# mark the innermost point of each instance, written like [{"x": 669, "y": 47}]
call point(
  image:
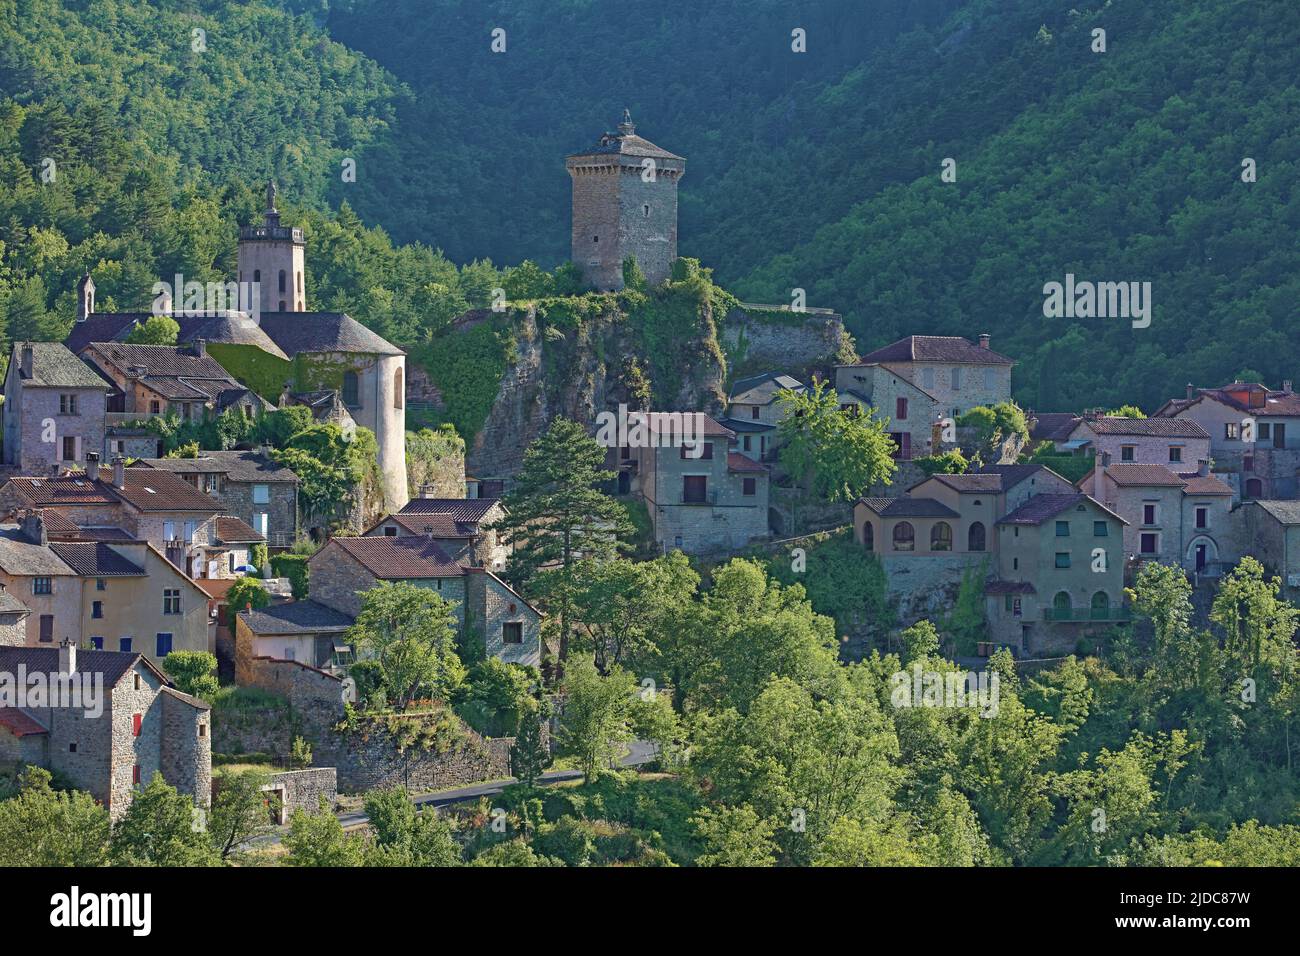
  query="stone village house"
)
[
  {"x": 53, "y": 409},
  {"x": 262, "y": 494},
  {"x": 754, "y": 414},
  {"x": 459, "y": 526},
  {"x": 147, "y": 727}
]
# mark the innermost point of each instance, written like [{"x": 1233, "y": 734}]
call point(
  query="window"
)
[
  {"x": 927, "y": 378},
  {"x": 1099, "y": 529},
  {"x": 97, "y": 609},
  {"x": 956, "y": 379},
  {"x": 1149, "y": 543},
  {"x": 261, "y": 494},
  {"x": 257, "y": 275},
  {"x": 1265, "y": 431},
  {"x": 47, "y": 628},
  {"x": 975, "y": 537},
  {"x": 1063, "y": 559},
  {"x": 282, "y": 283},
  {"x": 171, "y": 600},
  {"x": 136, "y": 721},
  {"x": 990, "y": 379},
  {"x": 1230, "y": 431},
  {"x": 169, "y": 530},
  {"x": 904, "y": 536},
  {"x": 69, "y": 448},
  {"x": 42, "y": 585},
  {"x": 1062, "y": 529},
  {"x": 390, "y": 532},
  {"x": 299, "y": 282},
  {"x": 97, "y": 643},
  {"x": 869, "y": 537},
  {"x": 155, "y": 407},
  {"x": 695, "y": 489},
  {"x": 399, "y": 391},
  {"x": 260, "y": 522},
  {"x": 138, "y": 681},
  {"x": 745, "y": 443},
  {"x": 1015, "y": 564},
  {"x": 190, "y": 528},
  {"x": 749, "y": 487},
  {"x": 900, "y": 409},
  {"x": 1202, "y": 516},
  {"x": 1061, "y": 603},
  {"x": 101, "y": 584},
  {"x": 754, "y": 412},
  {"x": 1175, "y": 453},
  {"x": 1127, "y": 452},
  {"x": 1100, "y": 606},
  {"x": 203, "y": 730},
  {"x": 512, "y": 632},
  {"x": 135, "y": 773},
  {"x": 1150, "y": 514},
  {"x": 67, "y": 404},
  {"x": 164, "y": 645},
  {"x": 351, "y": 390},
  {"x": 124, "y": 645},
  {"x": 72, "y": 747},
  {"x": 941, "y": 536}
]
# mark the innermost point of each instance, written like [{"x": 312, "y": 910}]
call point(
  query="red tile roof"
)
[
  {"x": 413, "y": 556},
  {"x": 18, "y": 723},
  {"x": 1133, "y": 474},
  {"x": 739, "y": 463},
  {"x": 147, "y": 489},
  {"x": 232, "y": 530},
  {"x": 1042, "y": 508},
  {"x": 1145, "y": 427}
]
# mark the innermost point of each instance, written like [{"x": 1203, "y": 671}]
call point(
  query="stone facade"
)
[
  {"x": 1175, "y": 452},
  {"x": 303, "y": 790},
  {"x": 910, "y": 413},
  {"x": 48, "y": 428}
]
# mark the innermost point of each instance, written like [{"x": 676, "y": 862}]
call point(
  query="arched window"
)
[
  {"x": 351, "y": 390},
  {"x": 299, "y": 283},
  {"x": 941, "y": 536},
  {"x": 281, "y": 280},
  {"x": 975, "y": 537},
  {"x": 1100, "y": 606},
  {"x": 399, "y": 392},
  {"x": 869, "y": 537},
  {"x": 1061, "y": 606},
  {"x": 1254, "y": 488},
  {"x": 904, "y": 536}
]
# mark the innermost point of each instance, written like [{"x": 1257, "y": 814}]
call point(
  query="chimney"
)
[
  {"x": 67, "y": 657},
  {"x": 85, "y": 297},
  {"x": 984, "y": 340},
  {"x": 119, "y": 471},
  {"x": 33, "y": 528},
  {"x": 200, "y": 347},
  {"x": 1191, "y": 391},
  {"x": 28, "y": 360},
  {"x": 1099, "y": 475},
  {"x": 428, "y": 491},
  {"x": 1203, "y": 467},
  {"x": 92, "y": 465}
]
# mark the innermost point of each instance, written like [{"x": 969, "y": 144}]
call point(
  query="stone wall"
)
[
  {"x": 759, "y": 340},
  {"x": 303, "y": 789},
  {"x": 372, "y": 758},
  {"x": 186, "y": 745}
]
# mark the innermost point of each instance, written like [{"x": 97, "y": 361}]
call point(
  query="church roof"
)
[
  {"x": 229, "y": 328},
  {"x": 296, "y": 332}
]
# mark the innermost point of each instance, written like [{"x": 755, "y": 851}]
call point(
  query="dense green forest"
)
[{"x": 818, "y": 170}]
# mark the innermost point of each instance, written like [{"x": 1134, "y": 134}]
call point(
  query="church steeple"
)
[{"x": 271, "y": 255}]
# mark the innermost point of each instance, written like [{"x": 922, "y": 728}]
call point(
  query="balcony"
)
[{"x": 1077, "y": 614}]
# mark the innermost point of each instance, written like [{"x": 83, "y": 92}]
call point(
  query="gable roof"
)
[
  {"x": 458, "y": 509},
  {"x": 232, "y": 530},
  {"x": 236, "y": 465},
  {"x": 19, "y": 556},
  {"x": 1148, "y": 476},
  {"x": 743, "y": 465},
  {"x": 1013, "y": 475},
  {"x": 114, "y": 665},
  {"x": 1042, "y": 508},
  {"x": 411, "y": 556},
  {"x": 94, "y": 559},
  {"x": 626, "y": 143},
  {"x": 20, "y": 724},
  {"x": 909, "y": 508},
  {"x": 935, "y": 348},
  {"x": 973, "y": 483},
  {"x": 762, "y": 389},
  {"x": 147, "y": 489},
  {"x": 296, "y": 332},
  {"x": 1143, "y": 427},
  {"x": 54, "y": 365},
  {"x": 295, "y": 617},
  {"x": 1195, "y": 484},
  {"x": 1052, "y": 426},
  {"x": 1285, "y": 512}
]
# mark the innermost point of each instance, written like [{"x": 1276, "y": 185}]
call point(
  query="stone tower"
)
[
  {"x": 272, "y": 256},
  {"x": 624, "y": 204}
]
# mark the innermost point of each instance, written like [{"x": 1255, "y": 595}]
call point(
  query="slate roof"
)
[
  {"x": 433, "y": 524},
  {"x": 171, "y": 371},
  {"x": 295, "y": 617},
  {"x": 744, "y": 425},
  {"x": 229, "y": 328},
  {"x": 94, "y": 559},
  {"x": 626, "y": 144},
  {"x": 54, "y": 365},
  {"x": 11, "y": 605},
  {"x": 975, "y": 483},
  {"x": 1052, "y": 426},
  {"x": 909, "y": 508},
  {"x": 935, "y": 348},
  {"x": 1286, "y": 512},
  {"x": 1042, "y": 508},
  {"x": 1009, "y": 587},
  {"x": 114, "y": 665},
  {"x": 1204, "y": 485},
  {"x": 22, "y": 557},
  {"x": 742, "y": 465},
  {"x": 232, "y": 530},
  {"x": 296, "y": 332},
  {"x": 1145, "y": 427},
  {"x": 763, "y": 389},
  {"x": 101, "y": 533},
  {"x": 102, "y": 327},
  {"x": 413, "y": 556},
  {"x": 470, "y": 510},
  {"x": 236, "y": 465},
  {"x": 709, "y": 427}
]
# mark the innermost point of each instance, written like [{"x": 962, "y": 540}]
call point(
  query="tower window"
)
[
  {"x": 595, "y": 238},
  {"x": 645, "y": 210},
  {"x": 281, "y": 305},
  {"x": 257, "y": 275},
  {"x": 351, "y": 390},
  {"x": 300, "y": 282},
  {"x": 281, "y": 280},
  {"x": 398, "y": 392}
]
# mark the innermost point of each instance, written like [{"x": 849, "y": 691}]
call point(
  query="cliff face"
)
[{"x": 667, "y": 349}]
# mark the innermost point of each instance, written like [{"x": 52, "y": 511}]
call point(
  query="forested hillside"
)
[{"x": 817, "y": 170}]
